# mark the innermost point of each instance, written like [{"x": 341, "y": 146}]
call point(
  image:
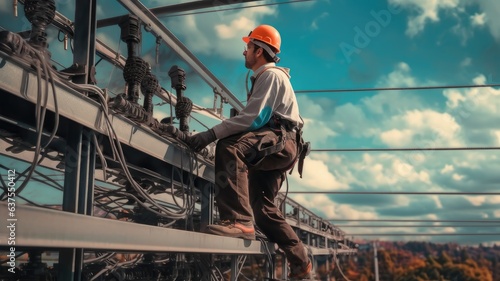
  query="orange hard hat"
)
[{"x": 266, "y": 34}]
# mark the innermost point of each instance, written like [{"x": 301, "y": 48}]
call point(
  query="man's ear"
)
[{"x": 260, "y": 52}]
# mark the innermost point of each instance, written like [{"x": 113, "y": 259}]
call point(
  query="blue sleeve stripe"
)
[{"x": 262, "y": 119}]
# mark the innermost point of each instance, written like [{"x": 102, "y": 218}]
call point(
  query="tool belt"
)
[{"x": 286, "y": 129}]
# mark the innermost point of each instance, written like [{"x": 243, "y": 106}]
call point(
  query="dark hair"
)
[{"x": 267, "y": 56}]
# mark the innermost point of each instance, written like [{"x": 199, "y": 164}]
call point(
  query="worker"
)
[{"x": 254, "y": 151}]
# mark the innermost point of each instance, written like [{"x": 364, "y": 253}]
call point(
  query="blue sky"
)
[{"x": 341, "y": 44}]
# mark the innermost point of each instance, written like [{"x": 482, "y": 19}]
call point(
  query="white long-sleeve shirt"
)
[{"x": 272, "y": 94}]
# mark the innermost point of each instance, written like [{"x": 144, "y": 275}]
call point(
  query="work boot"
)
[
  {"x": 235, "y": 229},
  {"x": 301, "y": 271}
]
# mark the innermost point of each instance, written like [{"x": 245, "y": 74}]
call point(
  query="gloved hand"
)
[{"x": 199, "y": 141}]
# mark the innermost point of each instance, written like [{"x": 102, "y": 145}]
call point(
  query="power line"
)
[
  {"x": 394, "y": 88},
  {"x": 394, "y": 192},
  {"x": 415, "y": 225},
  {"x": 421, "y": 234},
  {"x": 403, "y": 149},
  {"x": 402, "y": 220}
]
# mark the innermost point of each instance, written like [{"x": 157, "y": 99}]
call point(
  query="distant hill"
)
[{"x": 422, "y": 261}]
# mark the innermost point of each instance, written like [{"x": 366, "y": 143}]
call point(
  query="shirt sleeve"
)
[{"x": 258, "y": 110}]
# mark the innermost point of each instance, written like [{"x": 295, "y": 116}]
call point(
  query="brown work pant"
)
[{"x": 246, "y": 185}]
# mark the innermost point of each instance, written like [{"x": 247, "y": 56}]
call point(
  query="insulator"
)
[
  {"x": 13, "y": 42},
  {"x": 40, "y": 13},
  {"x": 131, "y": 29},
  {"x": 133, "y": 73},
  {"x": 131, "y": 34},
  {"x": 131, "y": 110},
  {"x": 169, "y": 130},
  {"x": 178, "y": 77},
  {"x": 182, "y": 111},
  {"x": 183, "y": 107},
  {"x": 149, "y": 87}
]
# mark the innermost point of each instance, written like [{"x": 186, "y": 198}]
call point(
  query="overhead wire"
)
[
  {"x": 414, "y": 220},
  {"x": 414, "y": 225},
  {"x": 395, "y": 88},
  {"x": 393, "y": 192},
  {"x": 425, "y": 234},
  {"x": 403, "y": 149},
  {"x": 232, "y": 9}
]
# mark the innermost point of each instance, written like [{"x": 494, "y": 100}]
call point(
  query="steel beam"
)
[
  {"x": 45, "y": 228},
  {"x": 78, "y": 193},
  {"x": 176, "y": 8}
]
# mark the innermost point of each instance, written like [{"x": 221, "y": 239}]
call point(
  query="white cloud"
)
[
  {"x": 397, "y": 138},
  {"x": 475, "y": 108},
  {"x": 400, "y": 77},
  {"x": 317, "y": 176},
  {"x": 317, "y": 132},
  {"x": 496, "y": 213},
  {"x": 237, "y": 27},
  {"x": 494, "y": 199},
  {"x": 379, "y": 171},
  {"x": 218, "y": 33},
  {"x": 476, "y": 200},
  {"x": 491, "y": 10},
  {"x": 437, "y": 200},
  {"x": 478, "y": 19},
  {"x": 447, "y": 169},
  {"x": 329, "y": 209},
  {"x": 426, "y": 11},
  {"x": 496, "y": 133},
  {"x": 421, "y": 128}
]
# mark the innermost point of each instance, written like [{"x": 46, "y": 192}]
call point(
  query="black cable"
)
[
  {"x": 413, "y": 220},
  {"x": 394, "y": 88},
  {"x": 19, "y": 175},
  {"x": 394, "y": 192},
  {"x": 402, "y": 149},
  {"x": 415, "y": 225},
  {"x": 424, "y": 234}
]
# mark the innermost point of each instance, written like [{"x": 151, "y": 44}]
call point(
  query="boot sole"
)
[{"x": 248, "y": 236}]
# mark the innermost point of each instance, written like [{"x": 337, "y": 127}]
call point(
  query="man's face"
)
[{"x": 250, "y": 55}]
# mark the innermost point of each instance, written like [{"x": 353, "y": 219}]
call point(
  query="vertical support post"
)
[
  {"x": 207, "y": 205},
  {"x": 206, "y": 218},
  {"x": 234, "y": 267},
  {"x": 80, "y": 151},
  {"x": 375, "y": 260}
]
